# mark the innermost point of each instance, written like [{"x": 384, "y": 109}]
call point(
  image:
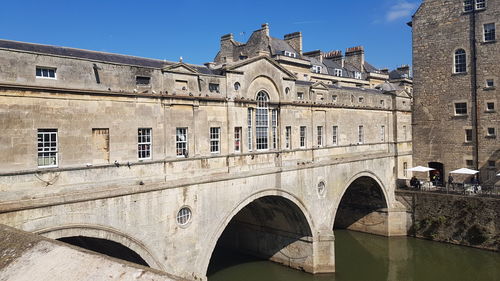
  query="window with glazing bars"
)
[
  {"x": 288, "y": 137},
  {"x": 302, "y": 140},
  {"x": 144, "y": 143},
  {"x": 181, "y": 142},
  {"x": 215, "y": 140},
  {"x": 47, "y": 148},
  {"x": 319, "y": 136},
  {"x": 237, "y": 139},
  {"x": 489, "y": 32},
  {"x": 262, "y": 121},
  {"x": 468, "y": 5},
  {"x": 335, "y": 132},
  {"x": 274, "y": 127},
  {"x": 480, "y": 4},
  {"x": 249, "y": 129},
  {"x": 45, "y": 72},
  {"x": 460, "y": 61},
  {"x": 361, "y": 134}
]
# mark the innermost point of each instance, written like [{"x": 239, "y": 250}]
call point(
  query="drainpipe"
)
[{"x": 472, "y": 38}]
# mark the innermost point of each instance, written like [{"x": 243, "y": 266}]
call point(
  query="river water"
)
[{"x": 366, "y": 257}]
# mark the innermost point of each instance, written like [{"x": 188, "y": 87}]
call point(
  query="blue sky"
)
[{"x": 192, "y": 28}]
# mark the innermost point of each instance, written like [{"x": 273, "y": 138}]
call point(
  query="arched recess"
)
[
  {"x": 264, "y": 83},
  {"x": 102, "y": 233},
  {"x": 271, "y": 224},
  {"x": 363, "y": 206}
]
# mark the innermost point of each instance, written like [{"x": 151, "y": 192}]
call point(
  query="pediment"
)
[
  {"x": 180, "y": 68},
  {"x": 319, "y": 86},
  {"x": 238, "y": 66}
]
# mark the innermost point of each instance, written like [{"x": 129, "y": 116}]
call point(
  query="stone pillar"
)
[
  {"x": 324, "y": 252},
  {"x": 398, "y": 221}
]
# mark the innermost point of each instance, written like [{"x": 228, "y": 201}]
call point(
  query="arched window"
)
[
  {"x": 460, "y": 61},
  {"x": 262, "y": 121}
]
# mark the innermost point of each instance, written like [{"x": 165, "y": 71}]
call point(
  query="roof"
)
[
  {"x": 398, "y": 74},
  {"x": 278, "y": 46}
]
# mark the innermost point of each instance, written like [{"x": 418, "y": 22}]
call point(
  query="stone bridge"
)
[{"x": 269, "y": 205}]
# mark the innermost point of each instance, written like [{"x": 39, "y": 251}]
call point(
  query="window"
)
[
  {"x": 338, "y": 72},
  {"x": 361, "y": 134},
  {"x": 382, "y": 102},
  {"x": 100, "y": 139},
  {"x": 249, "y": 129},
  {"x": 316, "y": 68},
  {"x": 490, "y": 106},
  {"x": 290, "y": 54},
  {"x": 334, "y": 97},
  {"x": 213, "y": 88},
  {"x": 469, "y": 163},
  {"x": 302, "y": 140},
  {"x": 300, "y": 95},
  {"x": 490, "y": 132},
  {"x": 460, "y": 61},
  {"x": 460, "y": 108},
  {"x": 405, "y": 168},
  {"x": 288, "y": 137},
  {"x": 262, "y": 121},
  {"x": 237, "y": 139},
  {"x": 181, "y": 142},
  {"x": 321, "y": 188},
  {"x": 405, "y": 133},
  {"x": 357, "y": 75},
  {"x": 480, "y": 4},
  {"x": 468, "y": 135},
  {"x": 361, "y": 99},
  {"x": 489, "y": 32},
  {"x": 287, "y": 90},
  {"x": 468, "y": 5},
  {"x": 142, "y": 80},
  {"x": 491, "y": 164},
  {"x": 335, "y": 133},
  {"x": 183, "y": 216},
  {"x": 320, "y": 136},
  {"x": 274, "y": 127},
  {"x": 237, "y": 86},
  {"x": 490, "y": 83},
  {"x": 215, "y": 140},
  {"x": 45, "y": 72},
  {"x": 382, "y": 133},
  {"x": 144, "y": 143},
  {"x": 47, "y": 148}
]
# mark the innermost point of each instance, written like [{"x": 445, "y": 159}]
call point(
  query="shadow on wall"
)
[{"x": 270, "y": 228}]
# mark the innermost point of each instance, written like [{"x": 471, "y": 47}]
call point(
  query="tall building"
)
[{"x": 456, "y": 71}]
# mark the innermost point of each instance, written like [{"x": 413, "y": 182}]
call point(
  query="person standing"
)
[{"x": 450, "y": 182}]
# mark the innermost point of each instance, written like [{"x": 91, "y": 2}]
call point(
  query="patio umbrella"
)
[
  {"x": 464, "y": 171},
  {"x": 420, "y": 169}
]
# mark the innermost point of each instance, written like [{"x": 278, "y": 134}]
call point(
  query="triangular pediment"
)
[
  {"x": 180, "y": 68},
  {"x": 237, "y": 66},
  {"x": 319, "y": 86}
]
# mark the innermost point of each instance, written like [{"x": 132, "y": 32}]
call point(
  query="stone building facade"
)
[{"x": 455, "y": 60}]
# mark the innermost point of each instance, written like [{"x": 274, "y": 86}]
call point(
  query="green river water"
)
[{"x": 365, "y": 257}]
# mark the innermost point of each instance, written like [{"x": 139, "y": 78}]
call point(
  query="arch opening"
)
[
  {"x": 106, "y": 247},
  {"x": 363, "y": 207},
  {"x": 269, "y": 228}
]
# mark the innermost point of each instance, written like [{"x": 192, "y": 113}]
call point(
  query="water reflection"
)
[{"x": 368, "y": 257}]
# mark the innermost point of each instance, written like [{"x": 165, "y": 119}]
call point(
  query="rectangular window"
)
[
  {"x": 361, "y": 99},
  {"x": 468, "y": 5},
  {"x": 144, "y": 138},
  {"x": 237, "y": 139},
  {"x": 288, "y": 137},
  {"x": 302, "y": 140},
  {"x": 142, "y": 80},
  {"x": 490, "y": 106},
  {"x": 300, "y": 95},
  {"x": 489, "y": 32},
  {"x": 469, "y": 163},
  {"x": 320, "y": 136},
  {"x": 361, "y": 134},
  {"x": 357, "y": 75},
  {"x": 335, "y": 133},
  {"x": 338, "y": 72},
  {"x": 405, "y": 168},
  {"x": 382, "y": 133},
  {"x": 290, "y": 54},
  {"x": 215, "y": 140},
  {"x": 249, "y": 129},
  {"x": 100, "y": 139},
  {"x": 490, "y": 83},
  {"x": 480, "y": 4},
  {"x": 334, "y": 97},
  {"x": 45, "y": 72},
  {"x": 181, "y": 142},
  {"x": 460, "y": 108},
  {"x": 405, "y": 133},
  {"x": 213, "y": 88},
  {"x": 382, "y": 102},
  {"x": 316, "y": 68},
  {"x": 274, "y": 127},
  {"x": 47, "y": 148},
  {"x": 468, "y": 135},
  {"x": 491, "y": 132}
]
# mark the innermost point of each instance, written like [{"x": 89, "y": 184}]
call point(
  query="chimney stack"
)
[
  {"x": 315, "y": 54},
  {"x": 295, "y": 41},
  {"x": 355, "y": 56},
  {"x": 265, "y": 28},
  {"x": 405, "y": 69},
  {"x": 226, "y": 47},
  {"x": 335, "y": 56}
]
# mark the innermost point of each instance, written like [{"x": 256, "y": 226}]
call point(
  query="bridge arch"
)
[
  {"x": 287, "y": 202},
  {"x": 98, "y": 232},
  {"x": 362, "y": 205}
]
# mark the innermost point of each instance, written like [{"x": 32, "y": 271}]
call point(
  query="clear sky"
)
[{"x": 192, "y": 28}]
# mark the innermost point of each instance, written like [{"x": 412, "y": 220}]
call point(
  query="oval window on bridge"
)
[
  {"x": 184, "y": 216},
  {"x": 321, "y": 188}
]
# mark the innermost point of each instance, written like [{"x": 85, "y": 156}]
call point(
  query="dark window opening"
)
[
  {"x": 142, "y": 80},
  {"x": 212, "y": 87},
  {"x": 460, "y": 108}
]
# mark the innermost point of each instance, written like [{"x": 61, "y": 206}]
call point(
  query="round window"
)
[
  {"x": 184, "y": 216},
  {"x": 237, "y": 86},
  {"x": 321, "y": 188}
]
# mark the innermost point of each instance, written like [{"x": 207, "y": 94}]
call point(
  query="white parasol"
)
[{"x": 464, "y": 171}]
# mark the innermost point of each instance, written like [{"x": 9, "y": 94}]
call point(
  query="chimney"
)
[
  {"x": 226, "y": 47},
  {"x": 355, "y": 56},
  {"x": 315, "y": 54},
  {"x": 384, "y": 71},
  {"x": 295, "y": 41},
  {"x": 335, "y": 56},
  {"x": 265, "y": 28},
  {"x": 405, "y": 69}
]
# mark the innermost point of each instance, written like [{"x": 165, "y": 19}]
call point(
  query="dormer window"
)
[
  {"x": 338, "y": 72},
  {"x": 290, "y": 54},
  {"x": 45, "y": 72},
  {"x": 357, "y": 75},
  {"x": 316, "y": 68},
  {"x": 142, "y": 80},
  {"x": 213, "y": 87}
]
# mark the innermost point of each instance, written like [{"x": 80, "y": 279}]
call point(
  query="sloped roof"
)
[{"x": 278, "y": 46}]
